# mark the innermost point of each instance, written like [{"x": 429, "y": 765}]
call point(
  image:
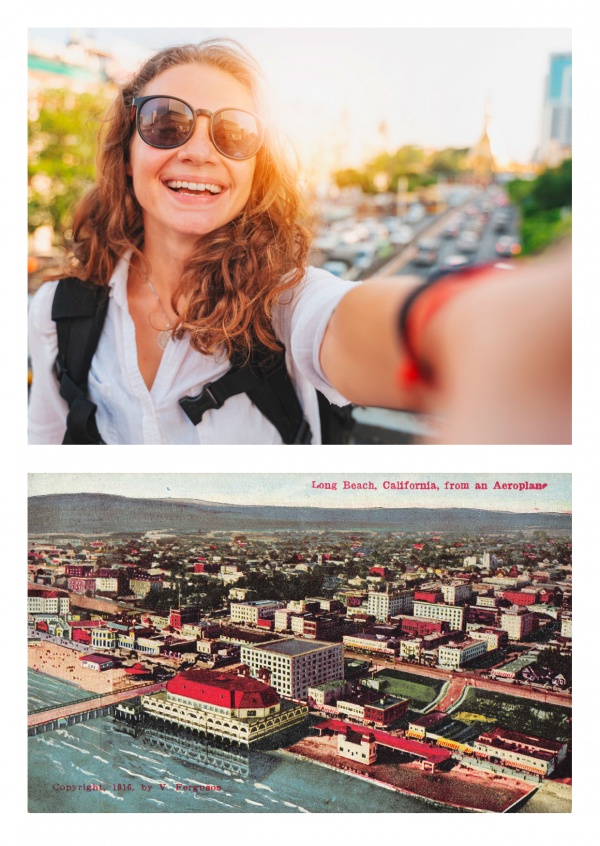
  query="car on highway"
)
[
  {"x": 502, "y": 220},
  {"x": 455, "y": 260},
  {"x": 468, "y": 242},
  {"x": 415, "y": 213},
  {"x": 365, "y": 257},
  {"x": 507, "y": 246},
  {"x": 451, "y": 228},
  {"x": 400, "y": 233},
  {"x": 474, "y": 224},
  {"x": 427, "y": 252}
]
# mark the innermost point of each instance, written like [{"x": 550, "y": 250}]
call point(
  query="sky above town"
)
[
  {"x": 342, "y": 94},
  {"x": 317, "y": 489}
]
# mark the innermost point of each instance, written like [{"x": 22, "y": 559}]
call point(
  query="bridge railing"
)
[{"x": 62, "y": 704}]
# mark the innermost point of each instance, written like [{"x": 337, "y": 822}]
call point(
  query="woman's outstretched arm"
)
[{"x": 499, "y": 353}]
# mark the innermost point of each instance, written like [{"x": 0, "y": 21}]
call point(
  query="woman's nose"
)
[{"x": 199, "y": 145}]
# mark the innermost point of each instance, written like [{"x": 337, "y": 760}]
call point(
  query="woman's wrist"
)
[{"x": 426, "y": 327}]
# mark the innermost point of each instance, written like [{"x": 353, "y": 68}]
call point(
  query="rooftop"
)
[{"x": 293, "y": 646}]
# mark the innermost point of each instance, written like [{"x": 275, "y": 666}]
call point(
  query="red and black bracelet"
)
[{"x": 418, "y": 309}]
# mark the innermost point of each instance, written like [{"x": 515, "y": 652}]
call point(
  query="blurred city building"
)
[
  {"x": 480, "y": 160},
  {"x": 556, "y": 135},
  {"x": 78, "y": 66}
]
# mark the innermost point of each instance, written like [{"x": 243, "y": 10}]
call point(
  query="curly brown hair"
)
[{"x": 237, "y": 272}]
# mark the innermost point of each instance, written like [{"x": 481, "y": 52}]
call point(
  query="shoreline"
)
[
  {"x": 493, "y": 798},
  {"x": 378, "y": 783},
  {"x": 62, "y": 663}
]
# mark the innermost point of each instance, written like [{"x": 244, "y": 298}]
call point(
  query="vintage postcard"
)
[{"x": 288, "y": 643}]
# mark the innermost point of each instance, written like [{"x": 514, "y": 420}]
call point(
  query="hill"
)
[{"x": 93, "y": 513}]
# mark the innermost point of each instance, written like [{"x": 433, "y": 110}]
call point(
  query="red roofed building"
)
[
  {"x": 521, "y": 751},
  {"x": 521, "y": 597},
  {"x": 433, "y": 595},
  {"x": 226, "y": 691},
  {"x": 47, "y": 602},
  {"x": 97, "y": 662},
  {"x": 224, "y": 705}
]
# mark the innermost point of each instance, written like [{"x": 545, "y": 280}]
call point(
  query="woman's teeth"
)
[{"x": 176, "y": 185}]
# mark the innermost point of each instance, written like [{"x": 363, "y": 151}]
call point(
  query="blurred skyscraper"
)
[{"x": 556, "y": 141}]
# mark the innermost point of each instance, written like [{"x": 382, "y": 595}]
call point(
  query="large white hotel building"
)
[{"x": 295, "y": 665}]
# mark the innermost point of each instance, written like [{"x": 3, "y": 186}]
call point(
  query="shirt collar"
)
[{"x": 118, "y": 281}]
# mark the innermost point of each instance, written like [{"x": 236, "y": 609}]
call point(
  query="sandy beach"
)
[
  {"x": 63, "y": 663},
  {"x": 553, "y": 797},
  {"x": 461, "y": 787}
]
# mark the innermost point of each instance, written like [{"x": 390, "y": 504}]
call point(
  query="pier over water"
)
[{"x": 77, "y": 712}]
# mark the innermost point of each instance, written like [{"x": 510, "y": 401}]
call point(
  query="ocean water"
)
[{"x": 158, "y": 772}]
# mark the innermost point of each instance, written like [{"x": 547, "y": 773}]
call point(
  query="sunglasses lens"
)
[
  {"x": 236, "y": 134},
  {"x": 165, "y": 122}
]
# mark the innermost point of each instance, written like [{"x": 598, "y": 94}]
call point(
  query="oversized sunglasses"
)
[{"x": 168, "y": 122}]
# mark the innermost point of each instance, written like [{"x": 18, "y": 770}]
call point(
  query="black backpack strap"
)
[
  {"x": 268, "y": 386},
  {"x": 79, "y": 309},
  {"x": 337, "y": 422}
]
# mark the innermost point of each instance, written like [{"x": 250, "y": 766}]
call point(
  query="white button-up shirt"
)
[{"x": 129, "y": 413}]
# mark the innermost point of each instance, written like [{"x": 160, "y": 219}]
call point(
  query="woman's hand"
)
[{"x": 499, "y": 352}]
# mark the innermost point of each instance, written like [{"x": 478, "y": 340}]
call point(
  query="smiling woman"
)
[
  {"x": 187, "y": 313},
  {"x": 196, "y": 228}
]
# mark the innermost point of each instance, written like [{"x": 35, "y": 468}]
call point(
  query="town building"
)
[
  {"x": 97, "y": 662},
  {"x": 422, "y": 626},
  {"x": 322, "y": 627},
  {"x": 494, "y": 638},
  {"x": 527, "y": 596},
  {"x": 294, "y": 665},
  {"x": 358, "y": 746},
  {"x": 81, "y": 584},
  {"x": 513, "y": 669},
  {"x": 385, "y": 711},
  {"x": 142, "y": 585},
  {"x": 454, "y": 614},
  {"x": 457, "y": 593},
  {"x": 452, "y": 656},
  {"x": 47, "y": 602},
  {"x": 517, "y": 622},
  {"x": 108, "y": 584},
  {"x": 223, "y": 705},
  {"x": 104, "y": 638},
  {"x": 566, "y": 626},
  {"x": 531, "y": 754},
  {"x": 418, "y": 727},
  {"x": 327, "y": 694},
  {"x": 556, "y": 135},
  {"x": 372, "y": 644},
  {"x": 248, "y": 613},
  {"x": 180, "y": 617},
  {"x": 439, "y": 728},
  {"x": 478, "y": 616},
  {"x": 282, "y": 620},
  {"x": 79, "y": 570},
  {"x": 487, "y": 601},
  {"x": 382, "y": 606},
  {"x": 428, "y": 595}
]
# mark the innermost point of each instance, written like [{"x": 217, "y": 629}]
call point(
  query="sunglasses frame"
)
[{"x": 138, "y": 102}]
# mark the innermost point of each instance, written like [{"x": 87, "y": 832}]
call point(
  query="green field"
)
[
  {"x": 419, "y": 689},
  {"x": 512, "y": 712}
]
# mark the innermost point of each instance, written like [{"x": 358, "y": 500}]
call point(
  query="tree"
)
[
  {"x": 544, "y": 204},
  {"x": 61, "y": 143}
]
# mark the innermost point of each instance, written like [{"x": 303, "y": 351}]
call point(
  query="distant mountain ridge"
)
[{"x": 90, "y": 513}]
